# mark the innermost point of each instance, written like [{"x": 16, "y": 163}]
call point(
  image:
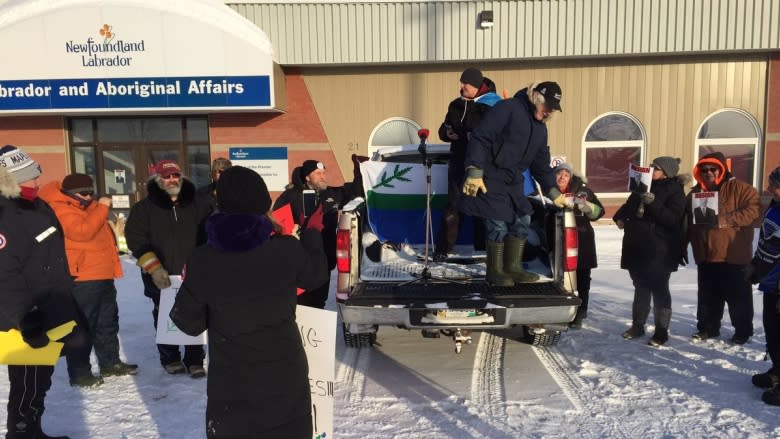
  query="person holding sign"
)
[
  {"x": 241, "y": 286},
  {"x": 315, "y": 204},
  {"x": 587, "y": 208},
  {"x": 723, "y": 249},
  {"x": 652, "y": 224},
  {"x": 35, "y": 287},
  {"x": 161, "y": 231}
]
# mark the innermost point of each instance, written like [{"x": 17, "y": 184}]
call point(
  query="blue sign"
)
[
  {"x": 120, "y": 93},
  {"x": 268, "y": 161}
]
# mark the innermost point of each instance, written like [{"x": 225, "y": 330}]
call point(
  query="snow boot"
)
[
  {"x": 660, "y": 337},
  {"x": 513, "y": 260},
  {"x": 766, "y": 380},
  {"x": 87, "y": 380},
  {"x": 582, "y": 313},
  {"x": 772, "y": 396},
  {"x": 27, "y": 427},
  {"x": 495, "y": 274},
  {"x": 119, "y": 369},
  {"x": 663, "y": 317},
  {"x": 634, "y": 332}
]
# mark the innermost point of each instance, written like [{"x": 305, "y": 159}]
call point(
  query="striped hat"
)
[{"x": 19, "y": 164}]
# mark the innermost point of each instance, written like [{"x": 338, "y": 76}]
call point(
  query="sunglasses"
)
[
  {"x": 707, "y": 169},
  {"x": 87, "y": 193},
  {"x": 170, "y": 176}
]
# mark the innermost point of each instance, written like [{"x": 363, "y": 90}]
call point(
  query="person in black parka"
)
[
  {"x": 330, "y": 199},
  {"x": 653, "y": 228},
  {"x": 35, "y": 288},
  {"x": 464, "y": 113},
  {"x": 587, "y": 208},
  {"x": 241, "y": 286},
  {"x": 511, "y": 138},
  {"x": 161, "y": 232}
]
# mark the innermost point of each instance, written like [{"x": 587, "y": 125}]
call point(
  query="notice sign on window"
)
[{"x": 268, "y": 161}]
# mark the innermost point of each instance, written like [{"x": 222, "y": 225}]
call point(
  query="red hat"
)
[{"x": 165, "y": 168}]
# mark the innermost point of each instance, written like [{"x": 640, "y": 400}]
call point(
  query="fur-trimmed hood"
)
[
  {"x": 162, "y": 199},
  {"x": 9, "y": 188}
]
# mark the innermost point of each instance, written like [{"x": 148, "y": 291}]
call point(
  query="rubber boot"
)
[
  {"x": 495, "y": 274},
  {"x": 513, "y": 260}
]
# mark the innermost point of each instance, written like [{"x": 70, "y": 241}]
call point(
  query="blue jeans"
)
[{"x": 497, "y": 230}]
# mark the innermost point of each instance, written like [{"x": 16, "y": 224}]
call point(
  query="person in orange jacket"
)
[{"x": 93, "y": 262}]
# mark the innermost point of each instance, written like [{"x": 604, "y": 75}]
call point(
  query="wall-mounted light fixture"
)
[{"x": 486, "y": 19}]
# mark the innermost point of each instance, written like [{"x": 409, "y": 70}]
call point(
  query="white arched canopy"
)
[
  {"x": 394, "y": 131},
  {"x": 93, "y": 56}
]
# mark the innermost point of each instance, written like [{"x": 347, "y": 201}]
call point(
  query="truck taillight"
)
[
  {"x": 570, "y": 248},
  {"x": 342, "y": 251}
]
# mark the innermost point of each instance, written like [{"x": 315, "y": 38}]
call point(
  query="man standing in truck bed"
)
[{"x": 511, "y": 138}]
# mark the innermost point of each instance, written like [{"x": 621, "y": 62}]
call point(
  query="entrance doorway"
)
[{"x": 120, "y": 153}]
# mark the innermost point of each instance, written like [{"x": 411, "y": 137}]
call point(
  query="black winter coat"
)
[
  {"x": 331, "y": 199},
  {"x": 463, "y": 115},
  {"x": 170, "y": 230},
  {"x": 652, "y": 243},
  {"x": 508, "y": 141},
  {"x": 243, "y": 290},
  {"x": 33, "y": 265}
]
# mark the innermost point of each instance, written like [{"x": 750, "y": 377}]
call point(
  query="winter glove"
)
[
  {"x": 751, "y": 274},
  {"x": 32, "y": 330},
  {"x": 558, "y": 199},
  {"x": 152, "y": 266},
  {"x": 161, "y": 279},
  {"x": 315, "y": 220},
  {"x": 474, "y": 182},
  {"x": 647, "y": 197}
]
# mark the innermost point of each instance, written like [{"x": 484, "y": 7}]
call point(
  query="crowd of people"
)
[{"x": 58, "y": 257}]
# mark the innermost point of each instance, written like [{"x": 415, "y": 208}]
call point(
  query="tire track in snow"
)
[
  {"x": 563, "y": 372},
  {"x": 487, "y": 378},
  {"x": 350, "y": 373}
]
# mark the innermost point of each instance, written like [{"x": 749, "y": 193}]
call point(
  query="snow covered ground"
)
[{"x": 600, "y": 385}]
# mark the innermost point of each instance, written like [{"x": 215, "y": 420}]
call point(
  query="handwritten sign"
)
[
  {"x": 167, "y": 332},
  {"x": 318, "y": 334}
]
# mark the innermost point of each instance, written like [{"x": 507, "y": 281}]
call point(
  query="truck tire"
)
[
  {"x": 364, "y": 340},
  {"x": 547, "y": 338}
]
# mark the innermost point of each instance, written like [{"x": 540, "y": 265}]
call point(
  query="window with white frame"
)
[
  {"x": 394, "y": 131},
  {"x": 612, "y": 142},
  {"x": 735, "y": 133}
]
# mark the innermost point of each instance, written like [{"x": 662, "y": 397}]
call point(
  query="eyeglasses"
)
[
  {"x": 87, "y": 193},
  {"x": 170, "y": 176},
  {"x": 707, "y": 169}
]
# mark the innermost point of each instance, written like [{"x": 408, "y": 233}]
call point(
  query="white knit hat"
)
[{"x": 19, "y": 164}]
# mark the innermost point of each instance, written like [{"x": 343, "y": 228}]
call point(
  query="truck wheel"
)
[
  {"x": 547, "y": 338},
  {"x": 351, "y": 340}
]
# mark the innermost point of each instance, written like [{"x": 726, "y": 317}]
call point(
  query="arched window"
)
[
  {"x": 612, "y": 141},
  {"x": 735, "y": 133},
  {"x": 393, "y": 132}
]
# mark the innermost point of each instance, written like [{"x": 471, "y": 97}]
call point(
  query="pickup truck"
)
[{"x": 387, "y": 277}]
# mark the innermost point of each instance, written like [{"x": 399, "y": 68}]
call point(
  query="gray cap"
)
[
  {"x": 670, "y": 165},
  {"x": 19, "y": 164},
  {"x": 564, "y": 167}
]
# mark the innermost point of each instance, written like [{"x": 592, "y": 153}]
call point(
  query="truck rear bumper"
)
[{"x": 426, "y": 317}]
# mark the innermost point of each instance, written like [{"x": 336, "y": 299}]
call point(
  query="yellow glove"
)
[{"x": 474, "y": 182}]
